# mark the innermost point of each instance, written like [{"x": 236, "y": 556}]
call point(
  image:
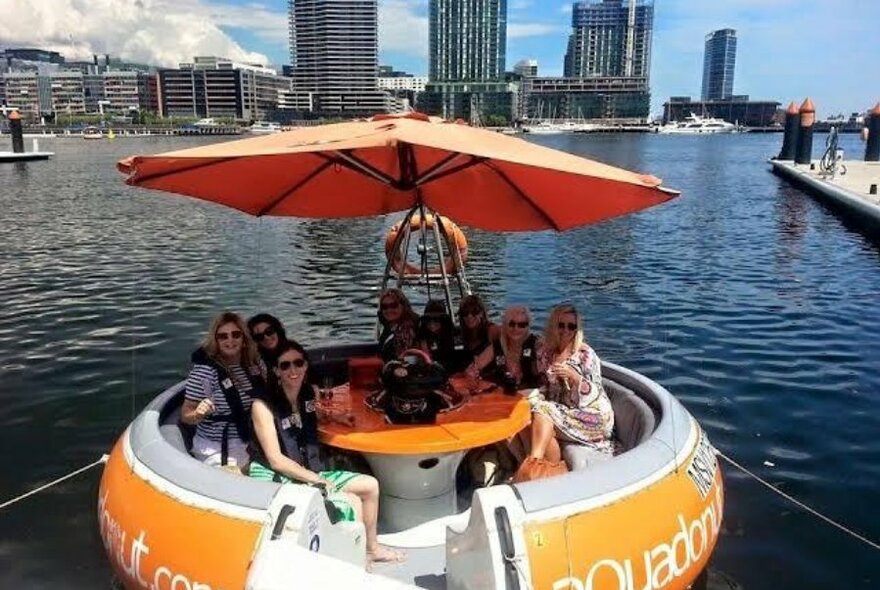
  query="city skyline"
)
[{"x": 784, "y": 46}]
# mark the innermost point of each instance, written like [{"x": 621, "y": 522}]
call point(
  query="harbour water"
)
[{"x": 750, "y": 301}]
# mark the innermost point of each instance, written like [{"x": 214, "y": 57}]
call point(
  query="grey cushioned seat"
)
[
  {"x": 633, "y": 422},
  {"x": 177, "y": 434}
]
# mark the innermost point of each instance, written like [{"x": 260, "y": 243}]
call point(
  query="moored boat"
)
[
  {"x": 92, "y": 132},
  {"x": 697, "y": 125},
  {"x": 648, "y": 517}
]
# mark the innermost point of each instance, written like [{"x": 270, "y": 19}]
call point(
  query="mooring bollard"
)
[
  {"x": 790, "y": 137},
  {"x": 872, "y": 147},
  {"x": 16, "y": 131},
  {"x": 804, "y": 151}
]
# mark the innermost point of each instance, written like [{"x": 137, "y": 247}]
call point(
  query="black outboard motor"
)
[{"x": 412, "y": 388}]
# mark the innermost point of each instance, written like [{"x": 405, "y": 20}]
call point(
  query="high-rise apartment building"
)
[
  {"x": 334, "y": 54},
  {"x": 610, "y": 38},
  {"x": 719, "y": 62},
  {"x": 467, "y": 40},
  {"x": 467, "y": 52},
  {"x": 607, "y": 65}
]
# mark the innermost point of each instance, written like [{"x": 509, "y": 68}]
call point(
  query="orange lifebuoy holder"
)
[{"x": 398, "y": 239}]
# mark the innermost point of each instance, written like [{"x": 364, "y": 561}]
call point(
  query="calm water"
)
[{"x": 747, "y": 299}]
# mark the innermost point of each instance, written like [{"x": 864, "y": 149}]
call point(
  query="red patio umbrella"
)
[{"x": 396, "y": 162}]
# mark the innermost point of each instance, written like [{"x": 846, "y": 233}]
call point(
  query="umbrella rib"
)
[
  {"x": 438, "y": 166},
  {"x": 164, "y": 173},
  {"x": 469, "y": 164},
  {"x": 353, "y": 163},
  {"x": 523, "y": 195},
  {"x": 294, "y": 188}
]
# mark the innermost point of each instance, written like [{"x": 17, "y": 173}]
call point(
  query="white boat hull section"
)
[{"x": 283, "y": 564}]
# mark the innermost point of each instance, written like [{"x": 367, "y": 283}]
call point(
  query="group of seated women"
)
[
  {"x": 252, "y": 402},
  {"x": 251, "y": 397},
  {"x": 572, "y": 406}
]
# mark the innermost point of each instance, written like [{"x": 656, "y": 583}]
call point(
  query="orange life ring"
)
[{"x": 451, "y": 232}]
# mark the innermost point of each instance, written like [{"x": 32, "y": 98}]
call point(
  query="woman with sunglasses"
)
[
  {"x": 573, "y": 406},
  {"x": 477, "y": 332},
  {"x": 399, "y": 323},
  {"x": 286, "y": 442},
  {"x": 226, "y": 375},
  {"x": 516, "y": 350},
  {"x": 268, "y": 332},
  {"x": 436, "y": 333}
]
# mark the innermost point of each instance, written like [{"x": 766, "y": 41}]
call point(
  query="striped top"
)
[{"x": 203, "y": 381}]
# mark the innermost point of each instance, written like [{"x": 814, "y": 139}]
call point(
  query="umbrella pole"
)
[
  {"x": 442, "y": 260},
  {"x": 463, "y": 287},
  {"x": 402, "y": 237}
]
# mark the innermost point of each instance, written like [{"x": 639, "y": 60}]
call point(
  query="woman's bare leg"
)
[
  {"x": 542, "y": 433},
  {"x": 366, "y": 489}
]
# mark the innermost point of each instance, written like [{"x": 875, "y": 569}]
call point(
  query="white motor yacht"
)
[
  {"x": 265, "y": 128},
  {"x": 697, "y": 125}
]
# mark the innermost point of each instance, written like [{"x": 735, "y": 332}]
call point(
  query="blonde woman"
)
[
  {"x": 515, "y": 350},
  {"x": 573, "y": 406},
  {"x": 226, "y": 376}
]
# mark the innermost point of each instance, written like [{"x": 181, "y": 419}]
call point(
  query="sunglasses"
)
[
  {"x": 298, "y": 363},
  {"x": 513, "y": 324},
  {"x": 268, "y": 332},
  {"x": 235, "y": 335},
  {"x": 392, "y": 305},
  {"x": 570, "y": 326}
]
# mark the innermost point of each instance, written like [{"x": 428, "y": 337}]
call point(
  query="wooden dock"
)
[{"x": 854, "y": 194}]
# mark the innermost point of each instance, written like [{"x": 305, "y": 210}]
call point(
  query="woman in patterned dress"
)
[{"x": 573, "y": 406}]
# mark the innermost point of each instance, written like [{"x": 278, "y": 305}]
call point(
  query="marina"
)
[{"x": 761, "y": 350}]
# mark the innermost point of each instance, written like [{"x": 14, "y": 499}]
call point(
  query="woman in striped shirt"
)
[{"x": 226, "y": 375}]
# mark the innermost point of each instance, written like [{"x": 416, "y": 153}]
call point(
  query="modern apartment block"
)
[
  {"x": 33, "y": 94},
  {"x": 216, "y": 87},
  {"x": 607, "y": 65},
  {"x": 610, "y": 38},
  {"x": 719, "y": 62},
  {"x": 467, "y": 53},
  {"x": 334, "y": 53}
]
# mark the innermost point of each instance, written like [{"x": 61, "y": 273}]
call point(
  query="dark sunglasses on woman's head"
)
[
  {"x": 298, "y": 363},
  {"x": 513, "y": 324},
  {"x": 235, "y": 335},
  {"x": 391, "y": 305},
  {"x": 570, "y": 326},
  {"x": 268, "y": 332}
]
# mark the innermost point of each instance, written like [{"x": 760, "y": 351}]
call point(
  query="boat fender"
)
[{"x": 451, "y": 232}]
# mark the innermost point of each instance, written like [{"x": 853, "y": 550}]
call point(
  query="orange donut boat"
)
[
  {"x": 648, "y": 517},
  {"x": 451, "y": 233}
]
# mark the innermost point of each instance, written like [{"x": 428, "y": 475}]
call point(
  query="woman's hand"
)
[
  {"x": 204, "y": 409},
  {"x": 564, "y": 372}
]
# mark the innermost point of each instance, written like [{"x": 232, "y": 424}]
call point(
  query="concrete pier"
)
[{"x": 854, "y": 194}]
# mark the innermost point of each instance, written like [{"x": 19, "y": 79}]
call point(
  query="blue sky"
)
[{"x": 787, "y": 50}]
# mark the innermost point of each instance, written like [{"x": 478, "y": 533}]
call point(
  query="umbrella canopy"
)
[{"x": 393, "y": 163}]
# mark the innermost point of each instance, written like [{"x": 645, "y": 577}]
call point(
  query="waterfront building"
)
[
  {"x": 610, "y": 38},
  {"x": 217, "y": 87},
  {"x": 121, "y": 91},
  {"x": 719, "y": 63},
  {"x": 736, "y": 109},
  {"x": 619, "y": 99},
  {"x": 67, "y": 93},
  {"x": 404, "y": 82},
  {"x": 607, "y": 66},
  {"x": 334, "y": 54},
  {"x": 467, "y": 52},
  {"x": 526, "y": 68}
]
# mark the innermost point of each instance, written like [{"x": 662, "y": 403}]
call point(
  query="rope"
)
[
  {"x": 797, "y": 502},
  {"x": 100, "y": 461}
]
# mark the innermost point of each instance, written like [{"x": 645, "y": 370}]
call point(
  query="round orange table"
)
[{"x": 416, "y": 464}]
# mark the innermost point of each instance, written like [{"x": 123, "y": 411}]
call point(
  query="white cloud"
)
[
  {"x": 403, "y": 27},
  {"x": 161, "y": 32}
]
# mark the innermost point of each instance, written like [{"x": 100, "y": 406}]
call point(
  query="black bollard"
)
[
  {"x": 789, "y": 140},
  {"x": 872, "y": 147},
  {"x": 16, "y": 131},
  {"x": 804, "y": 150}
]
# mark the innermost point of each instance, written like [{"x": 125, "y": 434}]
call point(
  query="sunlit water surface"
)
[{"x": 754, "y": 304}]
